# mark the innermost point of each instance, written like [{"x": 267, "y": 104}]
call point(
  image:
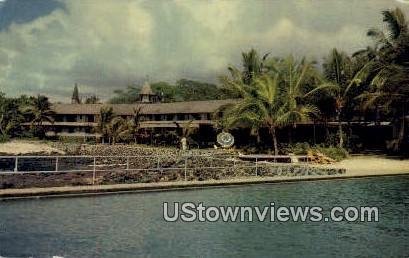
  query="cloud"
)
[{"x": 109, "y": 44}]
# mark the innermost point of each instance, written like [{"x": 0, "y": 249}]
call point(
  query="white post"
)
[
  {"x": 16, "y": 164},
  {"x": 127, "y": 162},
  {"x": 56, "y": 163},
  {"x": 93, "y": 174}
]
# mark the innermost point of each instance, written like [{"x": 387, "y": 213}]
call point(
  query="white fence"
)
[{"x": 18, "y": 165}]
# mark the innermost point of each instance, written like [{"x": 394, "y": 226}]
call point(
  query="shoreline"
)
[{"x": 94, "y": 190}]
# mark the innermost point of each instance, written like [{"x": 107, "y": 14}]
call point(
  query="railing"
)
[{"x": 18, "y": 165}]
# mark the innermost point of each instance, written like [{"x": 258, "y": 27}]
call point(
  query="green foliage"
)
[
  {"x": 4, "y": 138},
  {"x": 299, "y": 148},
  {"x": 189, "y": 90},
  {"x": 92, "y": 100},
  {"x": 11, "y": 116},
  {"x": 276, "y": 99},
  {"x": 128, "y": 96},
  {"x": 336, "y": 153},
  {"x": 302, "y": 148},
  {"x": 183, "y": 90},
  {"x": 106, "y": 114},
  {"x": 39, "y": 110},
  {"x": 389, "y": 88},
  {"x": 165, "y": 90}
]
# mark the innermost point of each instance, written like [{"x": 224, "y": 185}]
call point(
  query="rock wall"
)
[{"x": 154, "y": 164}]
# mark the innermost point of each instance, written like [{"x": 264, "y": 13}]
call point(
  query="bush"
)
[
  {"x": 302, "y": 148},
  {"x": 335, "y": 153},
  {"x": 4, "y": 138},
  {"x": 299, "y": 148}
]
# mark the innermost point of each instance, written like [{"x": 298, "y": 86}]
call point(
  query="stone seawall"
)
[
  {"x": 120, "y": 176},
  {"x": 153, "y": 164}
]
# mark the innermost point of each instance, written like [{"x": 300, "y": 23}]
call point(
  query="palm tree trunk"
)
[
  {"x": 314, "y": 134},
  {"x": 340, "y": 132},
  {"x": 274, "y": 136},
  {"x": 290, "y": 135},
  {"x": 401, "y": 134}
]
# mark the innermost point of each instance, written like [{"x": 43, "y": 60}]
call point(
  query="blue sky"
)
[{"x": 48, "y": 45}]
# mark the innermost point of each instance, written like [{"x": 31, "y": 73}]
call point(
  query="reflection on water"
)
[{"x": 131, "y": 225}]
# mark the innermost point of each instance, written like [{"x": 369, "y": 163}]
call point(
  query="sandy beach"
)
[
  {"x": 372, "y": 165},
  {"x": 20, "y": 147}
]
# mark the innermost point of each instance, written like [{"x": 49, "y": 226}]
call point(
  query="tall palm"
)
[
  {"x": 262, "y": 108},
  {"x": 390, "y": 80},
  {"x": 298, "y": 79},
  {"x": 276, "y": 99},
  {"x": 40, "y": 111},
  {"x": 267, "y": 107},
  {"x": 253, "y": 65},
  {"x": 106, "y": 114},
  {"x": 131, "y": 128},
  {"x": 117, "y": 129},
  {"x": 341, "y": 72}
]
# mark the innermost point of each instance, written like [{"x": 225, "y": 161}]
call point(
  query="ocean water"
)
[{"x": 132, "y": 225}]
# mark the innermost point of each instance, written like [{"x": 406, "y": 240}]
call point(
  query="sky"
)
[{"x": 46, "y": 46}]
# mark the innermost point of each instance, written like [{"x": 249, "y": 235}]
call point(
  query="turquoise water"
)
[{"x": 131, "y": 225}]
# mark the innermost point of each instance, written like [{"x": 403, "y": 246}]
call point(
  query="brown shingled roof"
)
[{"x": 208, "y": 106}]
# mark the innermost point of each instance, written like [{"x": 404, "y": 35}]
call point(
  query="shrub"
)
[
  {"x": 302, "y": 148},
  {"x": 299, "y": 148},
  {"x": 335, "y": 153},
  {"x": 4, "y": 138}
]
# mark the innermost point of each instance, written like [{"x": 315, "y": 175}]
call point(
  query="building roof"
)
[
  {"x": 146, "y": 89},
  {"x": 186, "y": 107}
]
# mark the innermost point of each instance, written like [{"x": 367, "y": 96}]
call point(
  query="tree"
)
[
  {"x": 10, "y": 116},
  {"x": 117, "y": 129},
  {"x": 128, "y": 96},
  {"x": 190, "y": 90},
  {"x": 390, "y": 78},
  {"x": 75, "y": 96},
  {"x": 40, "y": 111},
  {"x": 275, "y": 99},
  {"x": 92, "y": 100},
  {"x": 106, "y": 114},
  {"x": 130, "y": 128},
  {"x": 253, "y": 65},
  {"x": 343, "y": 75},
  {"x": 298, "y": 79},
  {"x": 166, "y": 91}
]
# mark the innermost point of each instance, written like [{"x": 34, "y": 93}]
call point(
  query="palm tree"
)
[
  {"x": 117, "y": 129},
  {"x": 40, "y": 111},
  {"x": 342, "y": 74},
  {"x": 106, "y": 114},
  {"x": 276, "y": 99},
  {"x": 183, "y": 132},
  {"x": 390, "y": 80},
  {"x": 130, "y": 128},
  {"x": 297, "y": 81},
  {"x": 253, "y": 65}
]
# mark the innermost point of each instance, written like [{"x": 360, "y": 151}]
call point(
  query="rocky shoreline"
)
[{"x": 157, "y": 164}]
